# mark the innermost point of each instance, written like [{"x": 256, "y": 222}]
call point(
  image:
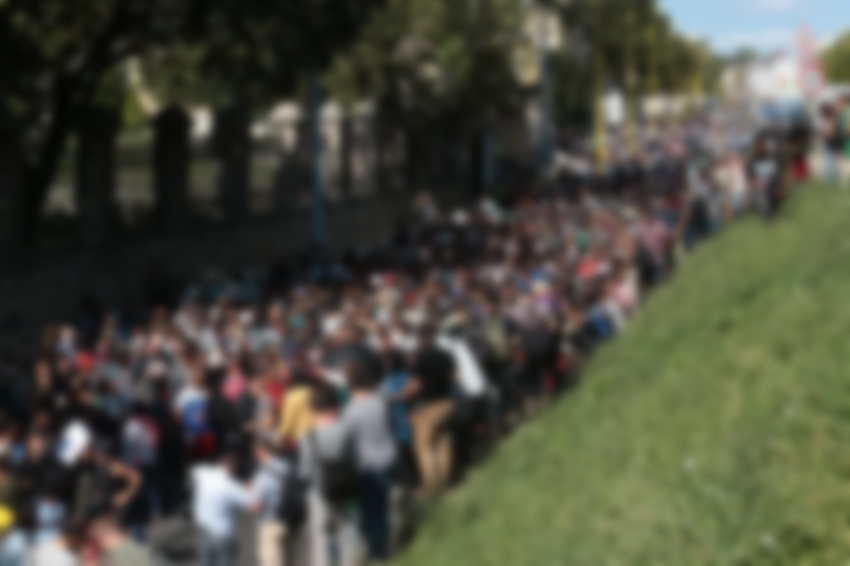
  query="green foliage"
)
[
  {"x": 716, "y": 432},
  {"x": 58, "y": 57},
  {"x": 51, "y": 47},
  {"x": 836, "y": 60},
  {"x": 633, "y": 36},
  {"x": 432, "y": 65},
  {"x": 253, "y": 52},
  {"x": 573, "y": 96},
  {"x": 434, "y": 62},
  {"x": 133, "y": 116},
  {"x": 175, "y": 74}
]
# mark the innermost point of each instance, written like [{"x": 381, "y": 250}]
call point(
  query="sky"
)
[{"x": 766, "y": 25}]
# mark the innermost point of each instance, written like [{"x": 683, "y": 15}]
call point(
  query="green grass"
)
[{"x": 715, "y": 432}]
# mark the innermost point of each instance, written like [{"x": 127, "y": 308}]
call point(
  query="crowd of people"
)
[{"x": 320, "y": 398}]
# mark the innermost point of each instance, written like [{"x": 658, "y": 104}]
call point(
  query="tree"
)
[
  {"x": 632, "y": 43},
  {"x": 836, "y": 60},
  {"x": 432, "y": 64},
  {"x": 573, "y": 96},
  {"x": 440, "y": 73},
  {"x": 59, "y": 57},
  {"x": 253, "y": 52},
  {"x": 631, "y": 35},
  {"x": 56, "y": 59}
]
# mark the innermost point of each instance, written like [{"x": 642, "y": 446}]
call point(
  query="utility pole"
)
[
  {"x": 314, "y": 124},
  {"x": 600, "y": 135},
  {"x": 631, "y": 90},
  {"x": 653, "y": 82},
  {"x": 317, "y": 199},
  {"x": 697, "y": 86},
  {"x": 600, "y": 126},
  {"x": 545, "y": 88}
]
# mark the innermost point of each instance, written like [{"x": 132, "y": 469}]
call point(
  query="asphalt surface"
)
[{"x": 174, "y": 540}]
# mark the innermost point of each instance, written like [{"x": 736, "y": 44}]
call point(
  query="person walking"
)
[
  {"x": 432, "y": 387},
  {"x": 833, "y": 141},
  {"x": 367, "y": 418},
  {"x": 324, "y": 461},
  {"x": 396, "y": 377},
  {"x": 842, "y": 135},
  {"x": 267, "y": 487},
  {"x": 217, "y": 498}
]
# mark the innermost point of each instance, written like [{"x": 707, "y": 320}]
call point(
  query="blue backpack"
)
[{"x": 195, "y": 418}]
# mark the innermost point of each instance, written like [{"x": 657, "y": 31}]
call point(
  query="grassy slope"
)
[{"x": 717, "y": 431}]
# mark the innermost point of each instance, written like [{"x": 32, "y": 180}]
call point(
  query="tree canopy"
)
[
  {"x": 633, "y": 36},
  {"x": 428, "y": 64},
  {"x": 254, "y": 52},
  {"x": 836, "y": 60},
  {"x": 628, "y": 43},
  {"x": 58, "y": 58},
  {"x": 427, "y": 61}
]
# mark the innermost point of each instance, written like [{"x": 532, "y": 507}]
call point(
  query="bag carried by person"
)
[
  {"x": 292, "y": 507},
  {"x": 339, "y": 477}
]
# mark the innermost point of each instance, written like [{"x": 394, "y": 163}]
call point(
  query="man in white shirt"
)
[
  {"x": 216, "y": 499},
  {"x": 471, "y": 409}
]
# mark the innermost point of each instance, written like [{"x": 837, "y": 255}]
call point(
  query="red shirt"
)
[{"x": 275, "y": 389}]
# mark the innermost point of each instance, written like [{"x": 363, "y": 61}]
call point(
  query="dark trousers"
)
[
  {"x": 375, "y": 513},
  {"x": 407, "y": 471},
  {"x": 470, "y": 414},
  {"x": 168, "y": 483}
]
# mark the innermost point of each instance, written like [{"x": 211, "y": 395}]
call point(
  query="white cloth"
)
[
  {"x": 73, "y": 442},
  {"x": 470, "y": 374},
  {"x": 334, "y": 376},
  {"x": 51, "y": 554}
]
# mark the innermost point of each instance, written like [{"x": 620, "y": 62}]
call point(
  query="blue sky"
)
[{"x": 766, "y": 25}]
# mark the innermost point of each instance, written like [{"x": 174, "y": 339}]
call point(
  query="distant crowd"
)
[
  {"x": 835, "y": 137},
  {"x": 322, "y": 399}
]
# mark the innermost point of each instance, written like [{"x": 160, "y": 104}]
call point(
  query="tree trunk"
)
[{"x": 41, "y": 173}]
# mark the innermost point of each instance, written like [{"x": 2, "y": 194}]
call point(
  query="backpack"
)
[
  {"x": 195, "y": 418},
  {"x": 340, "y": 477},
  {"x": 292, "y": 507},
  {"x": 537, "y": 341}
]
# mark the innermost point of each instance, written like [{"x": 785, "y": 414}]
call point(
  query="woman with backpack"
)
[{"x": 326, "y": 465}]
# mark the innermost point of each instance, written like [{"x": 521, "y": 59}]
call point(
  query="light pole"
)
[
  {"x": 317, "y": 199},
  {"x": 600, "y": 134},
  {"x": 652, "y": 87},
  {"x": 631, "y": 94},
  {"x": 314, "y": 125},
  {"x": 545, "y": 88}
]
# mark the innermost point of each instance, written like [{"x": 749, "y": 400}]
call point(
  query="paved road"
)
[{"x": 174, "y": 539}]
